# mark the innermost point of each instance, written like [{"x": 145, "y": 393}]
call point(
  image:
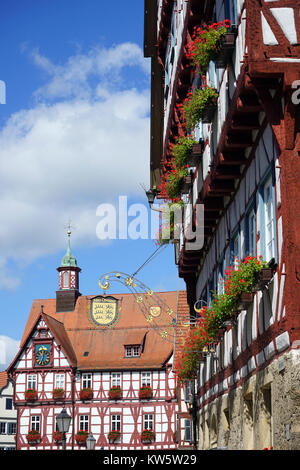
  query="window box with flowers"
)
[
  {"x": 200, "y": 104},
  {"x": 169, "y": 229},
  {"x": 86, "y": 394},
  {"x": 57, "y": 437},
  {"x": 238, "y": 283},
  {"x": 115, "y": 393},
  {"x": 206, "y": 44},
  {"x": 31, "y": 395},
  {"x": 114, "y": 436},
  {"x": 145, "y": 392},
  {"x": 147, "y": 436},
  {"x": 81, "y": 437},
  {"x": 58, "y": 394},
  {"x": 33, "y": 437},
  {"x": 226, "y": 47}
]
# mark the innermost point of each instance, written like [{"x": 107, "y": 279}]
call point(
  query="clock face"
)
[{"x": 42, "y": 354}]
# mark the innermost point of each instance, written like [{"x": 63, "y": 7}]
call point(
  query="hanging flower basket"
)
[
  {"x": 114, "y": 436},
  {"x": 33, "y": 437},
  {"x": 226, "y": 48},
  {"x": 57, "y": 437},
  {"x": 30, "y": 395},
  {"x": 58, "y": 394},
  {"x": 148, "y": 436},
  {"x": 81, "y": 437},
  {"x": 86, "y": 394},
  {"x": 145, "y": 392},
  {"x": 115, "y": 393}
]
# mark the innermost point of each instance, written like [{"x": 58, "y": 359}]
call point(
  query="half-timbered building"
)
[
  {"x": 244, "y": 172},
  {"x": 100, "y": 359}
]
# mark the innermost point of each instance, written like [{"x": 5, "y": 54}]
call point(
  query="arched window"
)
[{"x": 65, "y": 280}]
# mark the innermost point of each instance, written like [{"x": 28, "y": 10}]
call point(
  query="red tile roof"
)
[
  {"x": 3, "y": 379},
  {"x": 105, "y": 346}
]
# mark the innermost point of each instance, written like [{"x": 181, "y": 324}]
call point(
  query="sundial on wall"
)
[{"x": 157, "y": 313}]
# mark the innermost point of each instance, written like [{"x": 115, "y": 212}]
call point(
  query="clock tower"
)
[{"x": 68, "y": 281}]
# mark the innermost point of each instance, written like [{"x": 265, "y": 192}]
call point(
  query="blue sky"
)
[{"x": 74, "y": 133}]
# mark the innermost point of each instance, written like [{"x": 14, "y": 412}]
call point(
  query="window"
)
[
  {"x": 146, "y": 378},
  {"x": 148, "y": 422},
  {"x": 65, "y": 280},
  {"x": 211, "y": 288},
  {"x": 188, "y": 392},
  {"x": 250, "y": 231},
  {"x": 35, "y": 423},
  {"x": 83, "y": 423},
  {"x": 87, "y": 381},
  {"x": 231, "y": 11},
  {"x": 9, "y": 404},
  {"x": 60, "y": 381},
  {"x": 269, "y": 220},
  {"x": 31, "y": 381},
  {"x": 187, "y": 430},
  {"x": 132, "y": 351},
  {"x": 116, "y": 379},
  {"x": 116, "y": 422},
  {"x": 235, "y": 248},
  {"x": 2, "y": 428},
  {"x": 11, "y": 428}
]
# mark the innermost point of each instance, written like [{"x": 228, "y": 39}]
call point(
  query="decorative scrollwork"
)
[{"x": 155, "y": 310}]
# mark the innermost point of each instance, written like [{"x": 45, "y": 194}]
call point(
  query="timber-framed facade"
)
[{"x": 246, "y": 177}]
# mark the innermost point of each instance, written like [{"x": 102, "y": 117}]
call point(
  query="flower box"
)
[
  {"x": 33, "y": 437},
  {"x": 114, "y": 436},
  {"x": 115, "y": 393},
  {"x": 57, "y": 437},
  {"x": 86, "y": 394},
  {"x": 81, "y": 437},
  {"x": 226, "y": 45},
  {"x": 264, "y": 277},
  {"x": 246, "y": 299},
  {"x": 187, "y": 181},
  {"x": 194, "y": 158},
  {"x": 147, "y": 436},
  {"x": 145, "y": 392},
  {"x": 31, "y": 394},
  {"x": 58, "y": 394},
  {"x": 209, "y": 111}
]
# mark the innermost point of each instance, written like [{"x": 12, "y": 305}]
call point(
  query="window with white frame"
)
[
  {"x": 2, "y": 427},
  {"x": 116, "y": 379},
  {"x": 35, "y": 423},
  {"x": 148, "y": 422},
  {"x": 59, "y": 381},
  {"x": 269, "y": 225},
  {"x": 87, "y": 381},
  {"x": 132, "y": 351},
  {"x": 188, "y": 392},
  {"x": 116, "y": 422},
  {"x": 84, "y": 423},
  {"x": 11, "y": 428},
  {"x": 146, "y": 378},
  {"x": 31, "y": 381}
]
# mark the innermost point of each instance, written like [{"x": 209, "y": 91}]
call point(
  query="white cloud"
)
[
  {"x": 8, "y": 350},
  {"x": 62, "y": 159}
]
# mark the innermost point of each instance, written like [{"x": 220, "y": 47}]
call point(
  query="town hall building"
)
[{"x": 102, "y": 361}]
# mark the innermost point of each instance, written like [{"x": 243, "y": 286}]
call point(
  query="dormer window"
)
[{"x": 133, "y": 351}]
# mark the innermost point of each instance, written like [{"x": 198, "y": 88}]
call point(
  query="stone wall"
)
[{"x": 262, "y": 412}]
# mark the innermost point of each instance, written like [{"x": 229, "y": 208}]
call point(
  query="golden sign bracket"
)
[{"x": 156, "y": 312}]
